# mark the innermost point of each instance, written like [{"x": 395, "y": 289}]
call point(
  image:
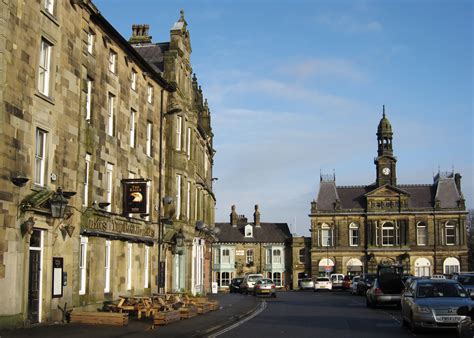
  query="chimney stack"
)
[
  {"x": 233, "y": 216},
  {"x": 140, "y": 34},
  {"x": 457, "y": 180},
  {"x": 256, "y": 216}
]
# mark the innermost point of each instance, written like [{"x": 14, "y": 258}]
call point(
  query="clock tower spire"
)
[{"x": 385, "y": 162}]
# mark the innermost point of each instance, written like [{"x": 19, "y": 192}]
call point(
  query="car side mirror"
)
[
  {"x": 463, "y": 311},
  {"x": 472, "y": 295}
]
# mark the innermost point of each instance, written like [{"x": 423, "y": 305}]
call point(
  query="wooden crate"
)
[
  {"x": 202, "y": 308},
  {"x": 188, "y": 312},
  {"x": 166, "y": 317},
  {"x": 99, "y": 318}
]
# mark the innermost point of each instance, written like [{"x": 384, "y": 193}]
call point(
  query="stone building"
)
[
  {"x": 257, "y": 247},
  {"x": 84, "y": 128},
  {"x": 189, "y": 159},
  {"x": 422, "y": 226},
  {"x": 300, "y": 260}
]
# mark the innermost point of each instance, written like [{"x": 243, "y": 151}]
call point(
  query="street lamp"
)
[{"x": 58, "y": 204}]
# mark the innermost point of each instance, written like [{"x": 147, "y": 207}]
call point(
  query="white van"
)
[
  {"x": 249, "y": 282},
  {"x": 336, "y": 279}
]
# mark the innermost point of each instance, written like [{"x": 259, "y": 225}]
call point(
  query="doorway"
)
[{"x": 35, "y": 278}]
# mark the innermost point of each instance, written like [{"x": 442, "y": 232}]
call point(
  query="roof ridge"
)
[
  {"x": 352, "y": 186},
  {"x": 415, "y": 185}
]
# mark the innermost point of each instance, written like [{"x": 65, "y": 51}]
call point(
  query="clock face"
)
[{"x": 386, "y": 171}]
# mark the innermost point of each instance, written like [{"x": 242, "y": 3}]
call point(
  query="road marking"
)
[{"x": 261, "y": 308}]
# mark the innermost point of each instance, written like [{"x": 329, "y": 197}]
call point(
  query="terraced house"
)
[
  {"x": 89, "y": 162},
  {"x": 422, "y": 226}
]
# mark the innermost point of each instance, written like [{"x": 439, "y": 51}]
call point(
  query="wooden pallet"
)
[
  {"x": 202, "y": 308},
  {"x": 99, "y": 318},
  {"x": 166, "y": 317}
]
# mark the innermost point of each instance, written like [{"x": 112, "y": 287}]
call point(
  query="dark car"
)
[
  {"x": 466, "y": 325},
  {"x": 385, "y": 290},
  {"x": 346, "y": 283},
  {"x": 364, "y": 283},
  {"x": 466, "y": 280},
  {"x": 235, "y": 284}
]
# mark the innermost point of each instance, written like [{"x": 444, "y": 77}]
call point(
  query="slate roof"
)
[
  {"x": 153, "y": 53},
  {"x": 421, "y": 196},
  {"x": 266, "y": 233}
]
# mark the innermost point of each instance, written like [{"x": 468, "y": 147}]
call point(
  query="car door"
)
[{"x": 407, "y": 301}]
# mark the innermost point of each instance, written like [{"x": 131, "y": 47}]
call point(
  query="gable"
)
[{"x": 386, "y": 191}]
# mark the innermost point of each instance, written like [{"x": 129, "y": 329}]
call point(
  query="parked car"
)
[
  {"x": 364, "y": 283},
  {"x": 306, "y": 284},
  {"x": 249, "y": 281},
  {"x": 264, "y": 286},
  {"x": 336, "y": 279},
  {"x": 433, "y": 303},
  {"x": 235, "y": 284},
  {"x": 355, "y": 281},
  {"x": 466, "y": 325},
  {"x": 466, "y": 280},
  {"x": 346, "y": 282},
  {"x": 385, "y": 290},
  {"x": 322, "y": 283}
]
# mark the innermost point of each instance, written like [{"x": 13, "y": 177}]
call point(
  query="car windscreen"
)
[
  {"x": 428, "y": 290},
  {"x": 466, "y": 280},
  {"x": 306, "y": 280},
  {"x": 322, "y": 280},
  {"x": 254, "y": 278},
  {"x": 265, "y": 281}
]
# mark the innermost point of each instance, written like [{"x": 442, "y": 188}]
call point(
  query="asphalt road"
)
[{"x": 324, "y": 314}]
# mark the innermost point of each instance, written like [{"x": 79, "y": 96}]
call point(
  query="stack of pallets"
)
[
  {"x": 166, "y": 317},
  {"x": 99, "y": 318}
]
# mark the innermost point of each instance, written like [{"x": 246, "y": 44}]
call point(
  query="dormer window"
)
[{"x": 248, "y": 231}]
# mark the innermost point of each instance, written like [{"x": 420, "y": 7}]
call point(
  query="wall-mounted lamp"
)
[
  {"x": 103, "y": 205},
  {"x": 58, "y": 204},
  {"x": 215, "y": 179},
  {"x": 200, "y": 225},
  {"x": 27, "y": 226}
]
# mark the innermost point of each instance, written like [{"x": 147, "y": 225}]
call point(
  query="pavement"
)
[{"x": 233, "y": 307}]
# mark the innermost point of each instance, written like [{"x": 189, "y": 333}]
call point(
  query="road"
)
[{"x": 324, "y": 314}]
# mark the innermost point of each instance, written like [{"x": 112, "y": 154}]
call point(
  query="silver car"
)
[
  {"x": 306, "y": 284},
  {"x": 433, "y": 303}
]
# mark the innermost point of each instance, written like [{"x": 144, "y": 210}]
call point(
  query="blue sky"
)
[{"x": 297, "y": 87}]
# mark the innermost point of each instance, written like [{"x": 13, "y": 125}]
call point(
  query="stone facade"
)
[
  {"x": 300, "y": 260},
  {"x": 421, "y": 226},
  {"x": 81, "y": 110},
  {"x": 256, "y": 247},
  {"x": 189, "y": 159}
]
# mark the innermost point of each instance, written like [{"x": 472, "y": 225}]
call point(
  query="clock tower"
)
[{"x": 385, "y": 162}]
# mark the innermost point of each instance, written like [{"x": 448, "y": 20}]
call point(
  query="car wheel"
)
[
  {"x": 413, "y": 327},
  {"x": 404, "y": 322},
  {"x": 367, "y": 303}
]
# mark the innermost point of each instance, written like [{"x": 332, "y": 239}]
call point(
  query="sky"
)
[{"x": 296, "y": 88}]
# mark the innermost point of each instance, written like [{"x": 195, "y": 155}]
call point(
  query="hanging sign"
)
[{"x": 134, "y": 196}]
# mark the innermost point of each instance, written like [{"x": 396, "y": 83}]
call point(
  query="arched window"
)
[
  {"x": 388, "y": 234},
  {"x": 451, "y": 265},
  {"x": 422, "y": 267},
  {"x": 249, "y": 256},
  {"x": 302, "y": 255},
  {"x": 421, "y": 234},
  {"x": 450, "y": 233},
  {"x": 353, "y": 234}
]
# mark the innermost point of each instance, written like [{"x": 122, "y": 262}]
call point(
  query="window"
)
[
  {"x": 450, "y": 233},
  {"x": 248, "y": 231},
  {"x": 109, "y": 182},
  {"x": 86, "y": 180},
  {"x": 225, "y": 256},
  {"x": 112, "y": 61},
  {"x": 225, "y": 280},
  {"x": 388, "y": 234},
  {"x": 179, "y": 129},
  {"x": 326, "y": 235},
  {"x": 45, "y": 67},
  {"x": 83, "y": 265},
  {"x": 129, "y": 266},
  {"x": 149, "y": 94},
  {"x": 149, "y": 135},
  {"x": 188, "y": 201},
  {"x": 49, "y": 6},
  {"x": 107, "y": 266},
  {"x": 178, "y": 196},
  {"x": 88, "y": 99},
  {"x": 451, "y": 265},
  {"x": 277, "y": 256},
  {"x": 206, "y": 160},
  {"x": 133, "y": 80},
  {"x": 188, "y": 143},
  {"x": 302, "y": 255},
  {"x": 421, "y": 235},
  {"x": 217, "y": 256},
  {"x": 249, "y": 256},
  {"x": 353, "y": 234},
  {"x": 146, "y": 262},
  {"x": 40, "y": 157},
  {"x": 196, "y": 197},
  {"x": 268, "y": 256},
  {"x": 90, "y": 41},
  {"x": 110, "y": 114},
  {"x": 277, "y": 278},
  {"x": 133, "y": 116}
]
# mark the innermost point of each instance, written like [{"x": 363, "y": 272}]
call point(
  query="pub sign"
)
[{"x": 134, "y": 196}]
